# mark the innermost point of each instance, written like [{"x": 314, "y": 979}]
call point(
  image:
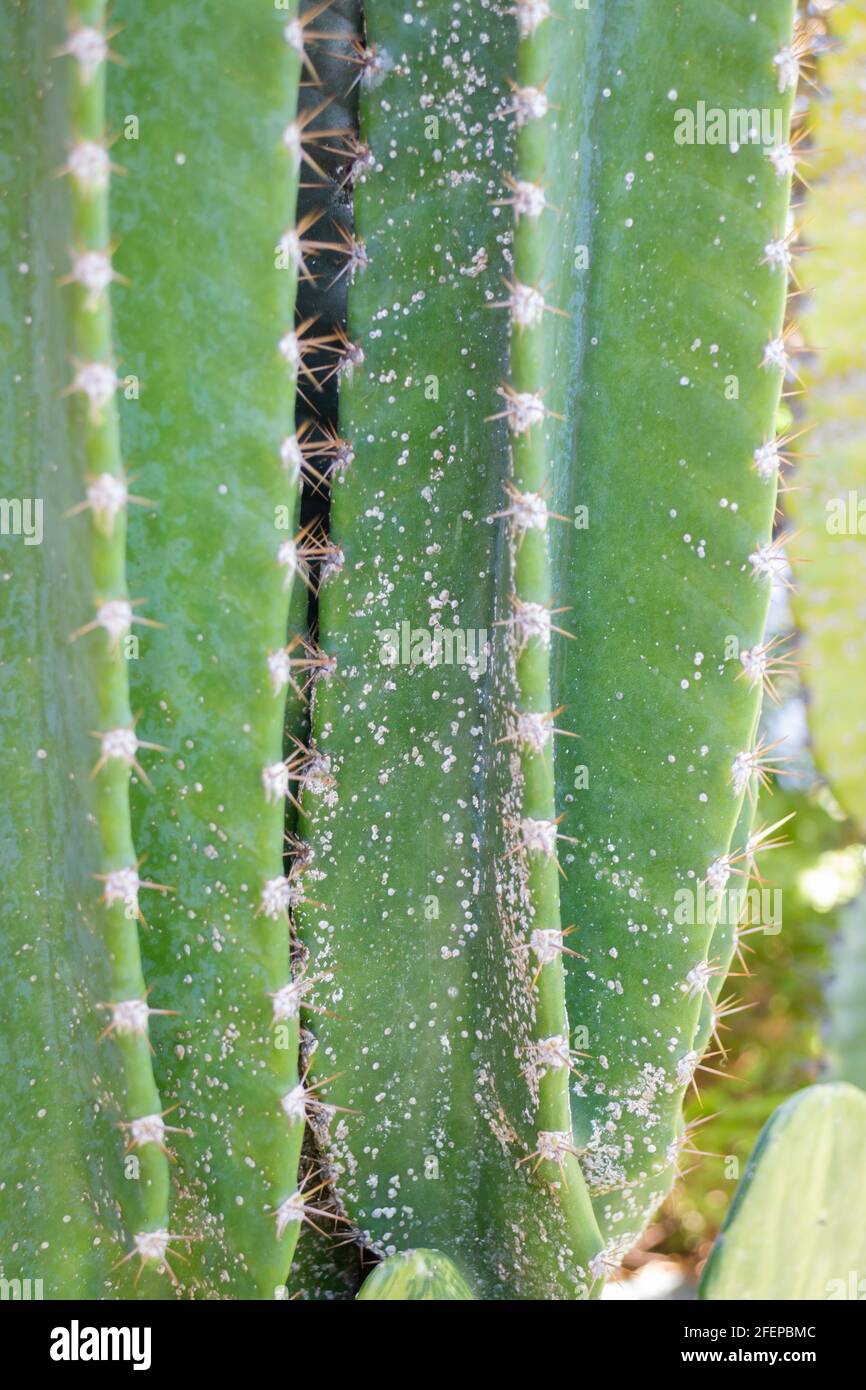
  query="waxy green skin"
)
[
  {"x": 216, "y": 401},
  {"x": 430, "y": 1020},
  {"x": 416, "y": 1276},
  {"x": 61, "y": 1087},
  {"x": 641, "y": 600},
  {"x": 207, "y": 193},
  {"x": 801, "y": 1238},
  {"x": 674, "y": 303},
  {"x": 432, "y": 1015}
]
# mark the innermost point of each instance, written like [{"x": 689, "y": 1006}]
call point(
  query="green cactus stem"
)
[
  {"x": 669, "y": 569},
  {"x": 204, "y": 327},
  {"x": 106, "y": 496},
  {"x": 664, "y": 402},
  {"x": 63, "y": 1184},
  {"x": 414, "y": 849},
  {"x": 795, "y": 1229},
  {"x": 416, "y": 1276},
  {"x": 219, "y": 160}
]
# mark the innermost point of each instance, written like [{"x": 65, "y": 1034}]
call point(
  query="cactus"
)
[
  {"x": 416, "y": 1276},
  {"x": 795, "y": 1229},
  {"x": 539, "y": 561},
  {"x": 632, "y": 655}
]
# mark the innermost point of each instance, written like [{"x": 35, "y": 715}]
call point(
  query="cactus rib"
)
[
  {"x": 536, "y": 831},
  {"x": 673, "y": 400},
  {"x": 219, "y": 565},
  {"x": 106, "y": 496}
]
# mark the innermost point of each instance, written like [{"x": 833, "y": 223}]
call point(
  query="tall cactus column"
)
[
  {"x": 106, "y": 495},
  {"x": 532, "y": 624},
  {"x": 209, "y": 328}
]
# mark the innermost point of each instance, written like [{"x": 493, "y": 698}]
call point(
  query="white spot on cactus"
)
[
  {"x": 97, "y": 381},
  {"x": 116, "y": 617},
  {"x": 539, "y": 836},
  {"x": 525, "y": 409},
  {"x": 279, "y": 669},
  {"x": 278, "y": 894},
  {"x": 608, "y": 1260},
  {"x": 292, "y": 141},
  {"x": 153, "y": 1245},
  {"x": 94, "y": 272},
  {"x": 546, "y": 944},
  {"x": 741, "y": 771},
  {"x": 107, "y": 496},
  {"x": 331, "y": 563},
  {"x": 129, "y": 1018},
  {"x": 120, "y": 743},
  {"x": 527, "y": 306},
  {"x": 290, "y": 349},
  {"x": 718, "y": 873},
  {"x": 148, "y": 1129},
  {"x": 90, "y": 166},
  {"x": 528, "y": 200},
  {"x": 775, "y": 354},
  {"x": 89, "y": 48},
  {"x": 533, "y": 622},
  {"x": 293, "y": 33},
  {"x": 554, "y": 1144},
  {"x": 777, "y": 254},
  {"x": 767, "y": 461},
  {"x": 275, "y": 780},
  {"x": 121, "y": 886},
  {"x": 685, "y": 1068},
  {"x": 783, "y": 159},
  {"x": 530, "y": 15},
  {"x": 287, "y": 1001},
  {"x": 291, "y": 457},
  {"x": 768, "y": 560},
  {"x": 528, "y": 511},
  {"x": 754, "y": 661},
  {"x": 533, "y": 730},
  {"x": 294, "y": 1104},
  {"x": 318, "y": 778},
  {"x": 697, "y": 979},
  {"x": 553, "y": 1053},
  {"x": 289, "y": 1211},
  {"x": 287, "y": 559},
  {"x": 530, "y": 104},
  {"x": 787, "y": 60}
]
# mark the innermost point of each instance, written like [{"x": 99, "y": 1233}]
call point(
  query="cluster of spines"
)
[
  {"x": 531, "y": 622},
  {"x": 106, "y": 497}
]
